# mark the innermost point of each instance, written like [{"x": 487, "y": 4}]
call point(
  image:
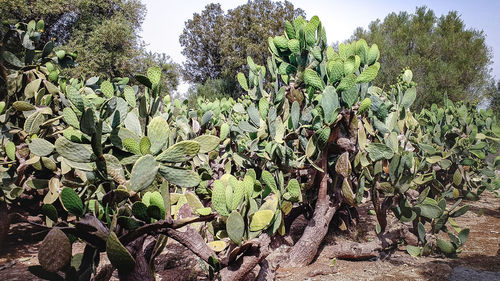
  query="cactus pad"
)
[
  {"x": 71, "y": 201},
  {"x": 143, "y": 173},
  {"x": 118, "y": 255},
  {"x": 55, "y": 251},
  {"x": 179, "y": 152},
  {"x": 235, "y": 227}
]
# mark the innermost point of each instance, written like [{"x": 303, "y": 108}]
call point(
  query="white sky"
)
[{"x": 164, "y": 20}]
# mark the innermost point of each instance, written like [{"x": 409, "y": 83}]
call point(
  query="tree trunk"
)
[{"x": 304, "y": 251}]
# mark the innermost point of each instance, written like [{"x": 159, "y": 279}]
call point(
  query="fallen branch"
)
[
  {"x": 363, "y": 251},
  {"x": 192, "y": 240}
]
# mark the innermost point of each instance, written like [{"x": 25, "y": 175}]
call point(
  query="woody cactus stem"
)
[
  {"x": 97, "y": 149},
  {"x": 304, "y": 251}
]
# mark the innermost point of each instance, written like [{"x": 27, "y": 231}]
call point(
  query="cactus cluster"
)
[{"x": 119, "y": 158}]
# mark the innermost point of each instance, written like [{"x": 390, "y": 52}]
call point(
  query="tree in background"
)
[
  {"x": 201, "y": 40},
  {"x": 493, "y": 96},
  {"x": 216, "y": 45},
  {"x": 445, "y": 56},
  {"x": 104, "y": 33}
]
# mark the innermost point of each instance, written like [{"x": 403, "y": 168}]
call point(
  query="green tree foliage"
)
[
  {"x": 445, "y": 55},
  {"x": 212, "y": 89},
  {"x": 201, "y": 40},
  {"x": 493, "y": 96},
  {"x": 216, "y": 44}
]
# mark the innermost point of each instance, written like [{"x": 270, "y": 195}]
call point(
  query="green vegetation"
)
[
  {"x": 103, "y": 34},
  {"x": 446, "y": 57},
  {"x": 223, "y": 41},
  {"x": 111, "y": 163}
]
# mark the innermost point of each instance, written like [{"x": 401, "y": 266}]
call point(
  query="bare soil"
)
[{"x": 481, "y": 252}]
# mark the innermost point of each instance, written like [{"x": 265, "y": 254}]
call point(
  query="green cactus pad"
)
[
  {"x": 154, "y": 75},
  {"x": 268, "y": 179},
  {"x": 129, "y": 223},
  {"x": 179, "y": 152},
  {"x": 156, "y": 199},
  {"x": 71, "y": 201},
  {"x": 368, "y": 74},
  {"x": 207, "y": 143},
  {"x": 23, "y": 106},
  {"x": 75, "y": 98},
  {"x": 281, "y": 42},
  {"x": 55, "y": 251},
  {"x": 76, "y": 152},
  {"x": 224, "y": 131},
  {"x": 347, "y": 193},
  {"x": 10, "y": 150},
  {"x": 235, "y": 227},
  {"x": 155, "y": 212},
  {"x": 219, "y": 198},
  {"x": 446, "y": 247},
  {"x": 311, "y": 78},
  {"x": 243, "y": 81},
  {"x": 329, "y": 103},
  {"x": 129, "y": 96},
  {"x": 179, "y": 176},
  {"x": 263, "y": 108},
  {"x": 204, "y": 211},
  {"x": 335, "y": 70},
  {"x": 293, "y": 189},
  {"x": 118, "y": 255},
  {"x": 145, "y": 145},
  {"x": 143, "y": 173},
  {"x": 107, "y": 89},
  {"x": 69, "y": 116},
  {"x": 373, "y": 55},
  {"x": 323, "y": 137},
  {"x": 41, "y": 147},
  {"x": 365, "y": 105},
  {"x": 139, "y": 210},
  {"x": 261, "y": 220},
  {"x": 378, "y": 151},
  {"x": 114, "y": 168},
  {"x": 193, "y": 200},
  {"x": 132, "y": 146},
  {"x": 50, "y": 212}
]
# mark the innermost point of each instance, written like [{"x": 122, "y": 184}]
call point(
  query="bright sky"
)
[{"x": 165, "y": 20}]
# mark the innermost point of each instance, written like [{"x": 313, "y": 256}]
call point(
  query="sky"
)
[{"x": 164, "y": 20}]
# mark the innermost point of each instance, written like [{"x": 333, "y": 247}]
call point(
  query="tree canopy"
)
[
  {"x": 446, "y": 56},
  {"x": 216, "y": 44}
]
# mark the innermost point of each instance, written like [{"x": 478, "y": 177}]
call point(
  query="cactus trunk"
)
[{"x": 304, "y": 251}]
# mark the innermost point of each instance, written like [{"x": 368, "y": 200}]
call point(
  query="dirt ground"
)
[{"x": 482, "y": 252}]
